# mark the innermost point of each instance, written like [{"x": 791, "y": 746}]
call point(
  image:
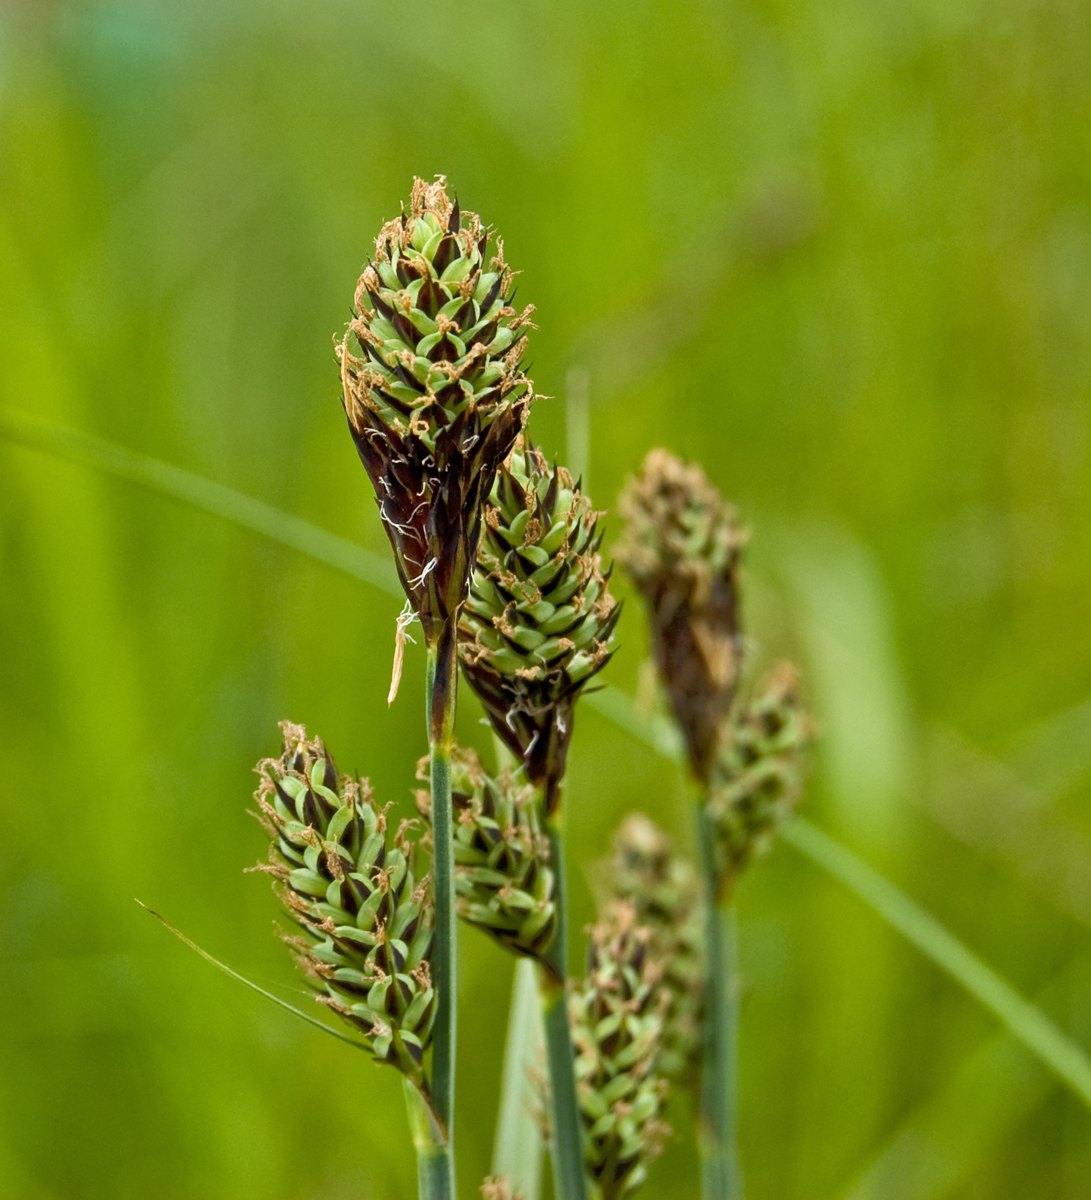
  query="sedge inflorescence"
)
[
  {"x": 349, "y": 885},
  {"x": 539, "y": 621},
  {"x": 503, "y": 877},
  {"x": 757, "y": 778},
  {"x": 618, "y": 1014},
  {"x": 681, "y": 546},
  {"x": 498, "y": 550},
  {"x": 663, "y": 889},
  {"x": 434, "y": 390}
]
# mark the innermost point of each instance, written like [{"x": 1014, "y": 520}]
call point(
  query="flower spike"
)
[
  {"x": 540, "y": 619},
  {"x": 433, "y": 389},
  {"x": 366, "y": 919},
  {"x": 681, "y": 547}
]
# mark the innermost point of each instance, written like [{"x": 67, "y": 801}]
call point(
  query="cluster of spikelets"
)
[
  {"x": 539, "y": 621},
  {"x": 502, "y": 875},
  {"x": 758, "y": 774},
  {"x": 434, "y": 390},
  {"x": 682, "y": 548},
  {"x": 618, "y": 1014},
  {"x": 636, "y": 1016},
  {"x": 664, "y": 891},
  {"x": 365, "y": 917},
  {"x": 498, "y": 552}
]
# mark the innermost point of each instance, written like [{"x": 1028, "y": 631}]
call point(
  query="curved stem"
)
[
  {"x": 720, "y": 1176},
  {"x": 435, "y": 1173},
  {"x": 568, "y": 1168},
  {"x": 441, "y": 721}
]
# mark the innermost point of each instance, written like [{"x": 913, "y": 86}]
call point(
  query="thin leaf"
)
[
  {"x": 939, "y": 1144},
  {"x": 1026, "y": 1020},
  {"x": 253, "y": 986},
  {"x": 215, "y": 498}
]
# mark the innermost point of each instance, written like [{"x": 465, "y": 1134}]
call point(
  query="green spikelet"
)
[
  {"x": 681, "y": 547},
  {"x": 664, "y": 890},
  {"x": 617, "y": 1016},
  {"x": 758, "y": 776},
  {"x": 540, "y": 619},
  {"x": 434, "y": 390},
  {"x": 366, "y": 921},
  {"x": 502, "y": 874}
]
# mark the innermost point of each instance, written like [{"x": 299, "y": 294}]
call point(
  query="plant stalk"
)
[
  {"x": 435, "y": 1175},
  {"x": 570, "y": 1179},
  {"x": 721, "y": 1178},
  {"x": 441, "y": 692}
]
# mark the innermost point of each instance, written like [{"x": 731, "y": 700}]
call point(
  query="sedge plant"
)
[
  {"x": 498, "y": 552},
  {"x": 435, "y": 396},
  {"x": 538, "y": 626},
  {"x": 682, "y": 547}
]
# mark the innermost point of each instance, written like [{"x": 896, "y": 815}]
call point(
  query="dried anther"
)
[
  {"x": 366, "y": 924},
  {"x": 540, "y": 619},
  {"x": 681, "y": 547},
  {"x": 434, "y": 390}
]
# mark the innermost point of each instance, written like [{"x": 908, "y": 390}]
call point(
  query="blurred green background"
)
[{"x": 839, "y": 252}]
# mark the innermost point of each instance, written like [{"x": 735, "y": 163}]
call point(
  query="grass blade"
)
[
  {"x": 1027, "y": 1021},
  {"x": 517, "y": 1148},
  {"x": 253, "y": 986},
  {"x": 206, "y": 494}
]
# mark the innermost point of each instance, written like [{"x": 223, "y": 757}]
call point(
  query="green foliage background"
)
[{"x": 840, "y": 252}]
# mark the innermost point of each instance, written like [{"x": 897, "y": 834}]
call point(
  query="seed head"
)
[
  {"x": 681, "y": 546},
  {"x": 757, "y": 778},
  {"x": 503, "y": 879},
  {"x": 617, "y": 1014},
  {"x": 433, "y": 388},
  {"x": 366, "y": 921},
  {"x": 664, "y": 891},
  {"x": 540, "y": 619}
]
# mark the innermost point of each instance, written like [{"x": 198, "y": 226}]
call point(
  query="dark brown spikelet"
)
[
  {"x": 434, "y": 390},
  {"x": 664, "y": 890},
  {"x": 540, "y": 619},
  {"x": 365, "y": 919},
  {"x": 757, "y": 779},
  {"x": 617, "y": 1014},
  {"x": 503, "y": 879},
  {"x": 681, "y": 547}
]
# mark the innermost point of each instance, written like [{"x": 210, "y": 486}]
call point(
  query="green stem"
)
[
  {"x": 720, "y": 1176},
  {"x": 435, "y": 1173},
  {"x": 441, "y": 720},
  {"x": 570, "y": 1179}
]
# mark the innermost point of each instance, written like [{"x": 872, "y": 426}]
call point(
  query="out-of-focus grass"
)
[{"x": 842, "y": 254}]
